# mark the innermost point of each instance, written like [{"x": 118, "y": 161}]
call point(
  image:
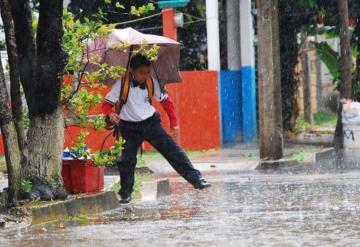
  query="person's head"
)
[{"x": 140, "y": 67}]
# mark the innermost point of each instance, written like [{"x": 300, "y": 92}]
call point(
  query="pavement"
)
[
  {"x": 241, "y": 158},
  {"x": 247, "y": 208}
]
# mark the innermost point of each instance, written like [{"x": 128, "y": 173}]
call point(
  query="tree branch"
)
[{"x": 16, "y": 102}]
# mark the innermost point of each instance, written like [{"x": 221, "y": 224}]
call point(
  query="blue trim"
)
[
  {"x": 248, "y": 99},
  {"x": 220, "y": 107},
  {"x": 231, "y": 107}
]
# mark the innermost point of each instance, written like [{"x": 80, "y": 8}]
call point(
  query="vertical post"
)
[
  {"x": 233, "y": 35},
  {"x": 169, "y": 27},
  {"x": 271, "y": 136},
  {"x": 319, "y": 88},
  {"x": 248, "y": 87},
  {"x": 212, "y": 30},
  {"x": 306, "y": 79},
  {"x": 345, "y": 67}
]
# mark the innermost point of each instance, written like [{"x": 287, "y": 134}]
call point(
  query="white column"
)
[
  {"x": 233, "y": 35},
  {"x": 246, "y": 34},
  {"x": 66, "y": 3},
  {"x": 213, "y": 40}
]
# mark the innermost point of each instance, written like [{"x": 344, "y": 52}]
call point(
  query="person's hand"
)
[
  {"x": 175, "y": 131},
  {"x": 114, "y": 118},
  {"x": 346, "y": 101}
]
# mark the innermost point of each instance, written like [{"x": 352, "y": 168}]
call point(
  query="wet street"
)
[{"x": 241, "y": 209}]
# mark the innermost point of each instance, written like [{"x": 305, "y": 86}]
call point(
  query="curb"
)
[
  {"x": 88, "y": 205},
  {"x": 113, "y": 170},
  {"x": 276, "y": 164},
  {"x": 151, "y": 190},
  {"x": 325, "y": 155},
  {"x": 62, "y": 210}
]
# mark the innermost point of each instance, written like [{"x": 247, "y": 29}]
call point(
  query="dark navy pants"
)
[{"x": 134, "y": 133}]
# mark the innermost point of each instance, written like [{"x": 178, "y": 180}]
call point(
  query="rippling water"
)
[{"x": 239, "y": 210}]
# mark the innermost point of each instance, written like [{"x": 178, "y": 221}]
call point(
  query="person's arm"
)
[
  {"x": 167, "y": 104},
  {"x": 169, "y": 107},
  {"x": 108, "y": 105}
]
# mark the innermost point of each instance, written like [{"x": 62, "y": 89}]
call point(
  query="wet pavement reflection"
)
[{"x": 241, "y": 209}]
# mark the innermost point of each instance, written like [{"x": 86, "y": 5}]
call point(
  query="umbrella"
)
[{"x": 103, "y": 50}]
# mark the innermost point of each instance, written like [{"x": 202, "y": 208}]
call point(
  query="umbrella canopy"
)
[{"x": 105, "y": 49}]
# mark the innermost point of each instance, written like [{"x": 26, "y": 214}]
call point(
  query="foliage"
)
[
  {"x": 86, "y": 93},
  {"x": 79, "y": 148},
  {"x": 325, "y": 119},
  {"x": 301, "y": 125},
  {"x": 26, "y": 185},
  {"x": 139, "y": 179},
  {"x": 298, "y": 155},
  {"x": 142, "y": 10},
  {"x": 109, "y": 157},
  {"x": 330, "y": 58},
  {"x": 313, "y": 17}
]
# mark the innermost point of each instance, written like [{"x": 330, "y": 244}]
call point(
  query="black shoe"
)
[
  {"x": 201, "y": 184},
  {"x": 125, "y": 199}
]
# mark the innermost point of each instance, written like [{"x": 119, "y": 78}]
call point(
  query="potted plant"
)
[{"x": 83, "y": 171}]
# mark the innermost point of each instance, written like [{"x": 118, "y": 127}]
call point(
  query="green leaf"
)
[
  {"x": 120, "y": 6},
  {"x": 330, "y": 58},
  {"x": 26, "y": 185}
]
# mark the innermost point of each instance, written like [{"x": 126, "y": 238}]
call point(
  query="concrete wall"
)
[
  {"x": 197, "y": 104},
  {"x": 214, "y": 109}
]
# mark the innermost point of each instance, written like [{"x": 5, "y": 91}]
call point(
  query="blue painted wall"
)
[
  {"x": 238, "y": 106},
  {"x": 231, "y": 106},
  {"x": 248, "y": 92}
]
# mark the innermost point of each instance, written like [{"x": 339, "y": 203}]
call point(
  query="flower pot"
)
[{"x": 82, "y": 176}]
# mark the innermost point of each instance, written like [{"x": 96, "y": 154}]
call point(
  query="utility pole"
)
[
  {"x": 212, "y": 30},
  {"x": 345, "y": 67},
  {"x": 269, "y": 77}
]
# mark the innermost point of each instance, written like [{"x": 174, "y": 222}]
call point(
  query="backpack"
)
[
  {"x": 124, "y": 94},
  {"x": 125, "y": 88}
]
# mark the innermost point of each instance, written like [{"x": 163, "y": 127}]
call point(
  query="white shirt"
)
[{"x": 137, "y": 107}]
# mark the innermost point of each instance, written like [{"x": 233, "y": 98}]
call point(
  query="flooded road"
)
[{"x": 239, "y": 210}]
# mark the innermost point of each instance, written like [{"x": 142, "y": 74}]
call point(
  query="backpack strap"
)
[
  {"x": 124, "y": 92},
  {"x": 150, "y": 88}
]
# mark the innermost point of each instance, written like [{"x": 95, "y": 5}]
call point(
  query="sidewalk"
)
[{"x": 241, "y": 158}]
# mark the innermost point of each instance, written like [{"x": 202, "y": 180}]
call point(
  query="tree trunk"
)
[
  {"x": 306, "y": 79},
  {"x": 21, "y": 15},
  {"x": 12, "y": 150},
  {"x": 345, "y": 66},
  {"x": 40, "y": 72},
  {"x": 16, "y": 102},
  {"x": 45, "y": 147},
  {"x": 46, "y": 118},
  {"x": 270, "y": 106},
  {"x": 319, "y": 87}
]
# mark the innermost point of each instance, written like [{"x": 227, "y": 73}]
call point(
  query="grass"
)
[
  {"x": 139, "y": 179},
  {"x": 301, "y": 125},
  {"x": 298, "y": 155},
  {"x": 249, "y": 155},
  {"x": 324, "y": 119},
  {"x": 150, "y": 155}
]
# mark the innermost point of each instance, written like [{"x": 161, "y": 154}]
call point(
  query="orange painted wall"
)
[{"x": 197, "y": 104}]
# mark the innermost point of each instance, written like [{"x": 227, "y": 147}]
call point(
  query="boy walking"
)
[{"x": 139, "y": 121}]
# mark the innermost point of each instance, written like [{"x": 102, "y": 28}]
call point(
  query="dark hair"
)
[{"x": 139, "y": 60}]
